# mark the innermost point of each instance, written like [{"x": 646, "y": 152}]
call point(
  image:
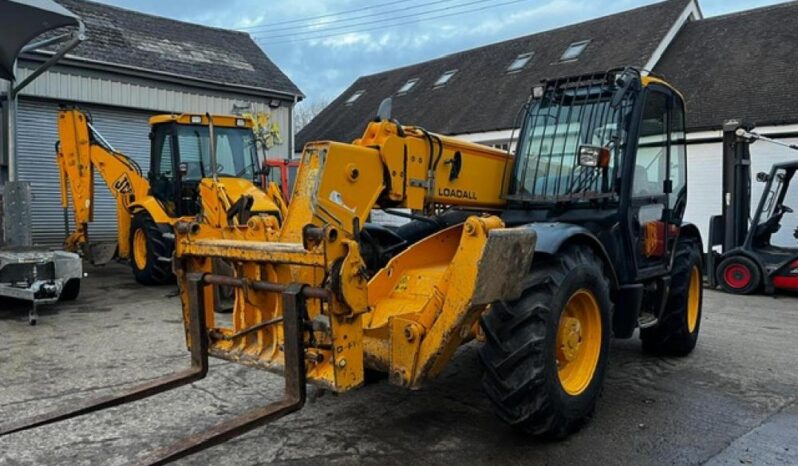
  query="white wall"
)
[
  {"x": 69, "y": 84},
  {"x": 704, "y": 178}
]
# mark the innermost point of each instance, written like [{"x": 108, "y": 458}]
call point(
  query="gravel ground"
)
[{"x": 734, "y": 401}]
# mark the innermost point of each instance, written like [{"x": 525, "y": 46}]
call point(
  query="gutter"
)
[
  {"x": 175, "y": 78},
  {"x": 716, "y": 139}
]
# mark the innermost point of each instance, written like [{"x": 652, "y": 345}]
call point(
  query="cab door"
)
[
  {"x": 656, "y": 182},
  {"x": 164, "y": 172}
]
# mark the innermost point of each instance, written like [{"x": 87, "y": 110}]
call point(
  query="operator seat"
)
[{"x": 766, "y": 229}]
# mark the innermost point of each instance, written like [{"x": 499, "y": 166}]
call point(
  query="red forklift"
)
[
  {"x": 282, "y": 172},
  {"x": 747, "y": 261}
]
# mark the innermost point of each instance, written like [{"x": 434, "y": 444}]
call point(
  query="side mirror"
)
[
  {"x": 624, "y": 81},
  {"x": 762, "y": 177},
  {"x": 593, "y": 156},
  {"x": 183, "y": 169},
  {"x": 384, "y": 111}
]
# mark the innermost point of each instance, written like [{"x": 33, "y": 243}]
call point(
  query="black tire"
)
[
  {"x": 71, "y": 290},
  {"x": 157, "y": 268},
  {"x": 674, "y": 335},
  {"x": 739, "y": 275},
  {"x": 520, "y": 352}
]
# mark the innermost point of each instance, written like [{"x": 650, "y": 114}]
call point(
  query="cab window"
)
[
  {"x": 650, "y": 171},
  {"x": 678, "y": 159}
]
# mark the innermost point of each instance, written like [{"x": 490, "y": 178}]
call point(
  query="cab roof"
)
[{"x": 226, "y": 121}]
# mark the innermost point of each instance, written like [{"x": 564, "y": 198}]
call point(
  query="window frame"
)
[
  {"x": 444, "y": 78},
  {"x": 354, "y": 97},
  {"x": 408, "y": 86},
  {"x": 524, "y": 58},
  {"x": 581, "y": 45}
]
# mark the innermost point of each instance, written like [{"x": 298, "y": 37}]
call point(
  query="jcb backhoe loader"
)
[
  {"x": 543, "y": 256},
  {"x": 188, "y": 177}
]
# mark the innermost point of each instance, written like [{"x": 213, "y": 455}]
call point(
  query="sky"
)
[{"x": 324, "y": 45}]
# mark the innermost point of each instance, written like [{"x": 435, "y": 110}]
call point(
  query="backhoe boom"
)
[{"x": 81, "y": 152}]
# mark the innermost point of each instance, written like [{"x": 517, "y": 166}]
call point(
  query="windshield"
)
[
  {"x": 556, "y": 125},
  {"x": 235, "y": 152}
]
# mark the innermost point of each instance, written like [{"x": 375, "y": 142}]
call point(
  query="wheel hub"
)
[
  {"x": 737, "y": 276},
  {"x": 579, "y": 341},
  {"x": 140, "y": 249},
  {"x": 571, "y": 338}
]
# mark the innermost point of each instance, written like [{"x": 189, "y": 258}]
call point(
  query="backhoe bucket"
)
[{"x": 293, "y": 299}]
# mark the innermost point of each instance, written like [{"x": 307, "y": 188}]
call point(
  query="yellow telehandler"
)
[
  {"x": 542, "y": 256},
  {"x": 201, "y": 166}
]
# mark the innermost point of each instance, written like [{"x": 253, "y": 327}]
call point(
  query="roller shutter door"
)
[{"x": 126, "y": 130}]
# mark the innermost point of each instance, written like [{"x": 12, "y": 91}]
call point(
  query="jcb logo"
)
[{"x": 122, "y": 185}]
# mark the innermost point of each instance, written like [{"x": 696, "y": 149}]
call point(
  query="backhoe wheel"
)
[
  {"x": 545, "y": 355},
  {"x": 738, "y": 275},
  {"x": 150, "y": 254},
  {"x": 676, "y": 333}
]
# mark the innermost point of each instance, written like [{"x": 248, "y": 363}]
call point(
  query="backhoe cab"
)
[
  {"x": 542, "y": 256},
  {"x": 188, "y": 177}
]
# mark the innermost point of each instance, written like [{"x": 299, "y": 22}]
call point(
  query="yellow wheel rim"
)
[
  {"x": 578, "y": 342},
  {"x": 693, "y": 299},
  {"x": 140, "y": 249}
]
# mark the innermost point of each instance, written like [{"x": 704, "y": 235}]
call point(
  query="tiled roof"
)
[
  {"x": 482, "y": 95},
  {"x": 118, "y": 36},
  {"x": 741, "y": 65}
]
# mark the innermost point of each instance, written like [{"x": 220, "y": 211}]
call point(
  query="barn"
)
[
  {"x": 731, "y": 66},
  {"x": 132, "y": 66}
]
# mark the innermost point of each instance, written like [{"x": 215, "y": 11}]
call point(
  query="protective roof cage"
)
[{"x": 565, "y": 117}]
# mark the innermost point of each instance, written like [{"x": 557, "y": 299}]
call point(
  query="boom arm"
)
[
  {"x": 393, "y": 166},
  {"x": 82, "y": 151}
]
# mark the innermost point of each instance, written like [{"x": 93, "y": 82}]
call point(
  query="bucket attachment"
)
[{"x": 293, "y": 305}]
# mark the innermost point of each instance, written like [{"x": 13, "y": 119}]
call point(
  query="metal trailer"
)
[{"x": 39, "y": 276}]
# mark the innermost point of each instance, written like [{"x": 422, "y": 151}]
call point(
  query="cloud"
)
[{"x": 324, "y": 67}]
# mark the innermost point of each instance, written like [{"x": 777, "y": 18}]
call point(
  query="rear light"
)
[{"x": 794, "y": 267}]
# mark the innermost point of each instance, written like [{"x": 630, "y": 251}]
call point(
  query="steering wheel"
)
[{"x": 243, "y": 170}]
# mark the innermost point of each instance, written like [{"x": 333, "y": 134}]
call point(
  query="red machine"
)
[
  {"x": 282, "y": 172},
  {"x": 748, "y": 262}
]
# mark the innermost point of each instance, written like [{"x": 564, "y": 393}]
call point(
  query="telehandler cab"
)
[
  {"x": 543, "y": 256},
  {"x": 188, "y": 177}
]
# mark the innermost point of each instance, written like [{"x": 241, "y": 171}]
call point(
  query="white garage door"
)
[
  {"x": 704, "y": 179},
  {"x": 126, "y": 130}
]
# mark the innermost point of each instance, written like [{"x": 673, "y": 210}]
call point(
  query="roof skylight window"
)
[
  {"x": 410, "y": 84},
  {"x": 574, "y": 50},
  {"x": 445, "y": 77},
  {"x": 520, "y": 62},
  {"x": 352, "y": 98}
]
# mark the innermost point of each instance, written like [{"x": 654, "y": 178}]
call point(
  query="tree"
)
[{"x": 306, "y": 110}]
